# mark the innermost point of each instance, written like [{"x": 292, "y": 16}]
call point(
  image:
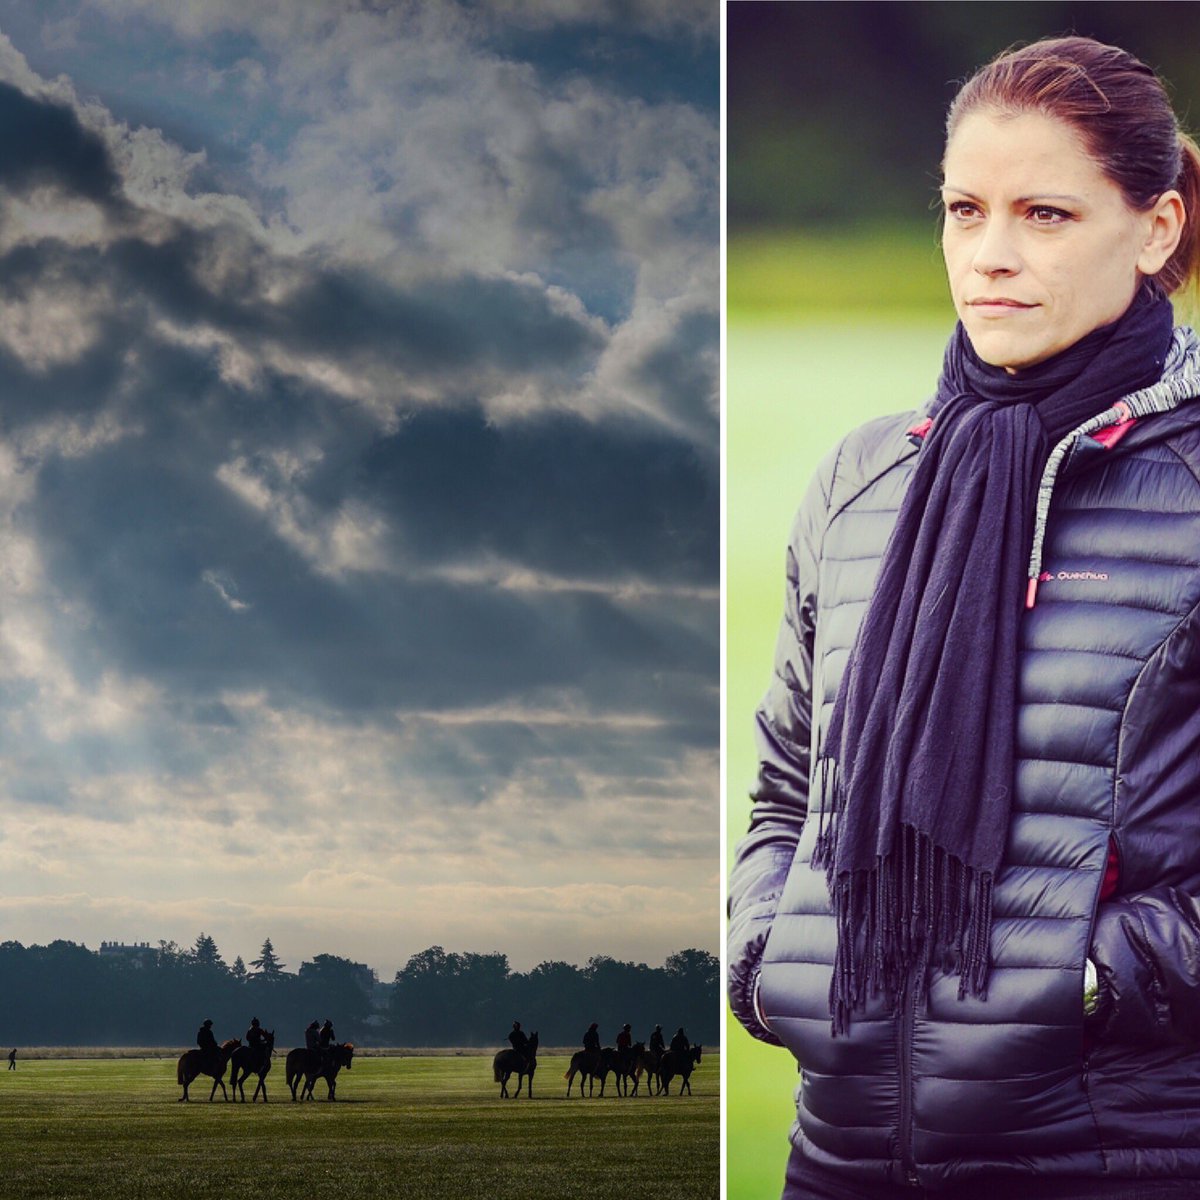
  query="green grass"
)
[
  {"x": 887, "y": 269},
  {"x": 794, "y": 388},
  {"x": 414, "y": 1127}
]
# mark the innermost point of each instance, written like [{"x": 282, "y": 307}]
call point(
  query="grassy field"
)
[
  {"x": 797, "y": 382},
  {"x": 415, "y": 1127}
]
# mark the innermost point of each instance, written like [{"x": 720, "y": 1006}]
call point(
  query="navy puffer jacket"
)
[{"x": 1108, "y": 769}]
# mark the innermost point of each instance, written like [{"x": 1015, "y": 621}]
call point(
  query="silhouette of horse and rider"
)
[
  {"x": 520, "y": 1060},
  {"x": 207, "y": 1059},
  {"x": 254, "y": 1058},
  {"x": 321, "y": 1057},
  {"x": 629, "y": 1060}
]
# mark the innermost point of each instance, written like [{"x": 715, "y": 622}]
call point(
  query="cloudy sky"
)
[{"x": 359, "y": 475}]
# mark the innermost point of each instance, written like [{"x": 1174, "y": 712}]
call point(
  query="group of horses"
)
[
  {"x": 626, "y": 1066},
  {"x": 303, "y": 1068}
]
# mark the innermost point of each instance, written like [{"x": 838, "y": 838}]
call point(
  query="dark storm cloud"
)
[
  {"x": 46, "y": 144},
  {"x": 134, "y": 537},
  {"x": 138, "y": 527},
  {"x": 594, "y": 501},
  {"x": 437, "y": 325}
]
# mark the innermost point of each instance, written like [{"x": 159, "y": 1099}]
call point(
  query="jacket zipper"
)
[{"x": 907, "y": 1017}]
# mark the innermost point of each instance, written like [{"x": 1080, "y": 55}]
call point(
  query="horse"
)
[
  {"x": 516, "y": 1062},
  {"x": 624, "y": 1067},
  {"x": 194, "y": 1062},
  {"x": 642, "y": 1061},
  {"x": 312, "y": 1065},
  {"x": 673, "y": 1063},
  {"x": 590, "y": 1065},
  {"x": 252, "y": 1060}
]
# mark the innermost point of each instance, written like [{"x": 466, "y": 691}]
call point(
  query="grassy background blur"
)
[
  {"x": 801, "y": 373},
  {"x": 838, "y": 312}
]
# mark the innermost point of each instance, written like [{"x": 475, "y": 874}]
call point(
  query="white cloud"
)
[{"x": 346, "y": 540}]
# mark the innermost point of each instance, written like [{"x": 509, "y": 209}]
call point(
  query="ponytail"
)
[{"x": 1182, "y": 270}]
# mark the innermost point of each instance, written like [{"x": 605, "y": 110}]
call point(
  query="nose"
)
[{"x": 995, "y": 251}]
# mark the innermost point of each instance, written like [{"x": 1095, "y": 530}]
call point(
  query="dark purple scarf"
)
[{"x": 917, "y": 764}]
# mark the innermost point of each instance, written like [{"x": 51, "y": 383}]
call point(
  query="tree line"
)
[{"x": 65, "y": 994}]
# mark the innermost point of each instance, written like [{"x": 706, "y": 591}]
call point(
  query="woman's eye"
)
[
  {"x": 1043, "y": 214},
  {"x": 962, "y": 209}
]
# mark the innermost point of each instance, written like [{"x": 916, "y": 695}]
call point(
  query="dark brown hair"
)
[{"x": 1119, "y": 108}]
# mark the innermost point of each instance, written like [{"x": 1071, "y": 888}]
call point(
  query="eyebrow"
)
[{"x": 1033, "y": 198}]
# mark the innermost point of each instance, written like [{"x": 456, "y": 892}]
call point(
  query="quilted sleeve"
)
[{"x": 782, "y": 731}]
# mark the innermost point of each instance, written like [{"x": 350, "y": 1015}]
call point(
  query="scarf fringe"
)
[{"x": 917, "y": 910}]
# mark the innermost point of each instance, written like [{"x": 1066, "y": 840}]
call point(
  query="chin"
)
[{"x": 1013, "y": 354}]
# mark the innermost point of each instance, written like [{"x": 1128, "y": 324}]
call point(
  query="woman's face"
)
[{"x": 1040, "y": 246}]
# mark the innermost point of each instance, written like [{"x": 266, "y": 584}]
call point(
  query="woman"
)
[{"x": 987, "y": 694}]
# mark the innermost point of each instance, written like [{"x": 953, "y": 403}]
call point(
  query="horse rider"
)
[
  {"x": 210, "y": 1052},
  {"x": 326, "y": 1041},
  {"x": 256, "y": 1035},
  {"x": 517, "y": 1038},
  {"x": 625, "y": 1038},
  {"x": 657, "y": 1042},
  {"x": 591, "y": 1039},
  {"x": 312, "y": 1036},
  {"x": 679, "y": 1043}
]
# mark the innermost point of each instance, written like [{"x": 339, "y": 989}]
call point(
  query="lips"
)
[{"x": 999, "y": 305}]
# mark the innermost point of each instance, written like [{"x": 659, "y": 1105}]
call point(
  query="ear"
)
[{"x": 1165, "y": 219}]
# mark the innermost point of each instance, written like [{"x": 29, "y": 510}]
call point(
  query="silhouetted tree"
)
[
  {"x": 267, "y": 964},
  {"x": 205, "y": 954},
  {"x": 338, "y": 988}
]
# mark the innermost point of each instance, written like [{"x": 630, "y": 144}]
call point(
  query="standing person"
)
[
  {"x": 967, "y": 901},
  {"x": 12, "y": 1059}
]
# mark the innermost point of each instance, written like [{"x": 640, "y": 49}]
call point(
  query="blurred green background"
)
[{"x": 837, "y": 312}]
